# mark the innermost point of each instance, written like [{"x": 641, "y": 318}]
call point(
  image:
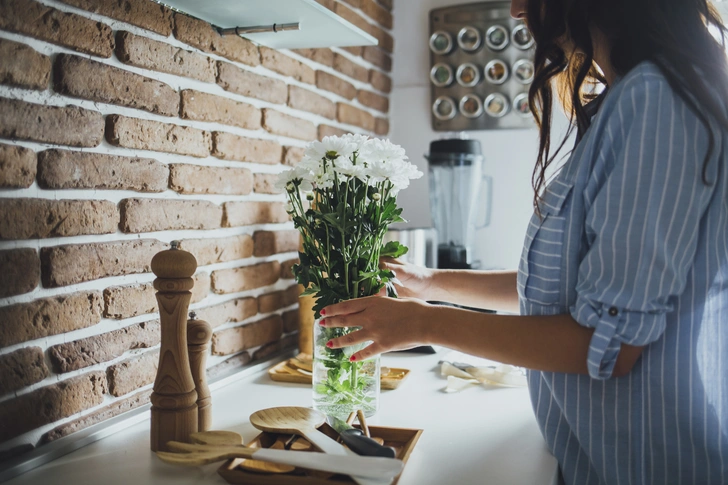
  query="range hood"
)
[{"x": 279, "y": 24}]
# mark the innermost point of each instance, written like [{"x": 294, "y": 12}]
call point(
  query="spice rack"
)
[{"x": 481, "y": 67}]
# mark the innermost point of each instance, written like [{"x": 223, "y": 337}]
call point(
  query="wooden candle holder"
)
[
  {"x": 199, "y": 334},
  {"x": 174, "y": 399}
]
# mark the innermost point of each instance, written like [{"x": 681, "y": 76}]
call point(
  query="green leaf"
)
[{"x": 393, "y": 249}]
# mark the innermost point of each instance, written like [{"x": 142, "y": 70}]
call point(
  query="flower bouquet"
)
[{"x": 343, "y": 197}]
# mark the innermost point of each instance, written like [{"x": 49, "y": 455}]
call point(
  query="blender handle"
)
[{"x": 488, "y": 185}]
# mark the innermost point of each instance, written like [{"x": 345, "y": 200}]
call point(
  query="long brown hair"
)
[{"x": 673, "y": 34}]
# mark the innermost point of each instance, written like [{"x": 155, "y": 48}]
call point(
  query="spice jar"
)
[
  {"x": 441, "y": 75},
  {"x": 496, "y": 72},
  {"x": 497, "y": 105},
  {"x": 523, "y": 70},
  {"x": 469, "y": 39},
  {"x": 497, "y": 38},
  {"x": 441, "y": 42},
  {"x": 467, "y": 75},
  {"x": 522, "y": 37},
  {"x": 444, "y": 108},
  {"x": 520, "y": 105},
  {"x": 471, "y": 106}
]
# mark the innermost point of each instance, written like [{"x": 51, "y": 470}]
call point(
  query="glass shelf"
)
[{"x": 319, "y": 27}]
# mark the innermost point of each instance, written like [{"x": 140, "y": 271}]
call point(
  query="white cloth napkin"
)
[{"x": 463, "y": 371}]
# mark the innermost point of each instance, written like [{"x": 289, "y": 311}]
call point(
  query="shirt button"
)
[{"x": 613, "y": 312}]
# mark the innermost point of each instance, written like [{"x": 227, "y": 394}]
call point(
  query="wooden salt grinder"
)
[
  {"x": 174, "y": 399},
  {"x": 199, "y": 334}
]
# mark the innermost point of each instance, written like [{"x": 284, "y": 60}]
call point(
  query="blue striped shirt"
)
[{"x": 633, "y": 244}]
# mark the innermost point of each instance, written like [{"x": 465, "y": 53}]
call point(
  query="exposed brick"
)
[
  {"x": 374, "y": 100},
  {"x": 195, "y": 179},
  {"x": 22, "y": 66},
  {"x": 20, "y": 271},
  {"x": 146, "y": 53},
  {"x": 286, "y": 65},
  {"x": 201, "y": 106},
  {"x": 380, "y": 81},
  {"x": 378, "y": 57},
  {"x": 290, "y": 321},
  {"x": 293, "y": 155},
  {"x": 246, "y": 278},
  {"x": 381, "y": 126},
  {"x": 66, "y": 169},
  {"x": 49, "y": 316},
  {"x": 286, "y": 125},
  {"x": 228, "y": 366},
  {"x": 379, "y": 14},
  {"x": 268, "y": 243},
  {"x": 232, "y": 78},
  {"x": 156, "y": 136},
  {"x": 142, "y": 13},
  {"x": 350, "y": 68},
  {"x": 326, "y": 130},
  {"x": 118, "y": 407},
  {"x": 384, "y": 38},
  {"x": 17, "y": 166},
  {"x": 232, "y": 340},
  {"x": 131, "y": 374},
  {"x": 148, "y": 215},
  {"x": 75, "y": 263},
  {"x": 89, "y": 351},
  {"x": 51, "y": 403},
  {"x": 354, "y": 51},
  {"x": 354, "y": 116},
  {"x": 388, "y": 4},
  {"x": 83, "y": 78},
  {"x": 43, "y": 218},
  {"x": 287, "y": 269},
  {"x": 350, "y": 15},
  {"x": 218, "y": 250},
  {"x": 67, "y": 125},
  {"x": 239, "y": 148},
  {"x": 323, "y": 56},
  {"x": 286, "y": 343},
  {"x": 22, "y": 368},
  {"x": 67, "y": 29},
  {"x": 330, "y": 4},
  {"x": 334, "y": 84},
  {"x": 202, "y": 35},
  {"x": 131, "y": 300},
  {"x": 248, "y": 213},
  {"x": 354, "y": 3},
  {"x": 265, "y": 183},
  {"x": 291, "y": 294},
  {"x": 231, "y": 311},
  {"x": 303, "y": 99},
  {"x": 270, "y": 302}
]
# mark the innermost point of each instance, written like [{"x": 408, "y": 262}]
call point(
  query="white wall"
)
[{"x": 509, "y": 154}]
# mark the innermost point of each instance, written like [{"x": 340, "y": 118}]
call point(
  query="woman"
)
[{"x": 623, "y": 283}]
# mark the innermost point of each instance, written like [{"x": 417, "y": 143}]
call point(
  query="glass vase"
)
[{"x": 339, "y": 385}]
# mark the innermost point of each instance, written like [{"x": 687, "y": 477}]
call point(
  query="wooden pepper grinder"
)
[
  {"x": 174, "y": 399},
  {"x": 199, "y": 334}
]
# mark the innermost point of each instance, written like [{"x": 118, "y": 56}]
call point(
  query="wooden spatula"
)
[{"x": 225, "y": 438}]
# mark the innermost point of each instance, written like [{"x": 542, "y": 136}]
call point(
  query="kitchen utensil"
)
[
  {"x": 304, "y": 421},
  {"x": 380, "y": 469},
  {"x": 199, "y": 334},
  {"x": 296, "y": 443},
  {"x": 363, "y": 422},
  {"x": 226, "y": 438},
  {"x": 284, "y": 372},
  {"x": 357, "y": 442}
]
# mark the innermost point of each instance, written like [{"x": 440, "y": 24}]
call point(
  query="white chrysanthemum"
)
[
  {"x": 298, "y": 176},
  {"x": 320, "y": 172},
  {"x": 345, "y": 166},
  {"x": 330, "y": 147},
  {"x": 382, "y": 151},
  {"x": 356, "y": 139}
]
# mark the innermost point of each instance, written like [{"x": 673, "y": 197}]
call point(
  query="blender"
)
[{"x": 459, "y": 200}]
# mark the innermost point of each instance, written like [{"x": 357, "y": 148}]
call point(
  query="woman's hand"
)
[
  {"x": 415, "y": 281},
  {"x": 390, "y": 323}
]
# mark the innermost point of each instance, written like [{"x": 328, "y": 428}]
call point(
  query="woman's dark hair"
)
[{"x": 673, "y": 34}]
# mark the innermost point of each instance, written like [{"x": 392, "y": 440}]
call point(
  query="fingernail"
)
[
  {"x": 323, "y": 322},
  {"x": 352, "y": 358},
  {"x": 329, "y": 344},
  {"x": 323, "y": 312}
]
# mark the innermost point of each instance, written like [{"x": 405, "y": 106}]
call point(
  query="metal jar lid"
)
[
  {"x": 497, "y": 37},
  {"x": 441, "y": 42},
  {"x": 441, "y": 75},
  {"x": 522, "y": 37},
  {"x": 497, "y": 105},
  {"x": 469, "y": 39},
  {"x": 523, "y": 71},
  {"x": 471, "y": 106},
  {"x": 444, "y": 108},
  {"x": 467, "y": 75},
  {"x": 496, "y": 72},
  {"x": 520, "y": 105}
]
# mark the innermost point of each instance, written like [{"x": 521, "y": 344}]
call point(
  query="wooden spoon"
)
[{"x": 224, "y": 438}]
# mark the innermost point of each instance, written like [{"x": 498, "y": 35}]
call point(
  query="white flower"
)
[
  {"x": 356, "y": 139},
  {"x": 296, "y": 177},
  {"x": 345, "y": 166},
  {"x": 330, "y": 147},
  {"x": 383, "y": 151}
]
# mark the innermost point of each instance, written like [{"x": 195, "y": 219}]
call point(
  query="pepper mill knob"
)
[{"x": 174, "y": 263}]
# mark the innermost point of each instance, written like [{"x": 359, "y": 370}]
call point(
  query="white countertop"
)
[{"x": 477, "y": 436}]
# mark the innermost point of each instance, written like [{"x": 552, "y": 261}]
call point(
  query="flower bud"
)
[
  {"x": 309, "y": 197},
  {"x": 290, "y": 187},
  {"x": 377, "y": 196},
  {"x": 289, "y": 207}
]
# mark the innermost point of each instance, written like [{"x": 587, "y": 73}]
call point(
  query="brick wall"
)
[{"x": 124, "y": 126}]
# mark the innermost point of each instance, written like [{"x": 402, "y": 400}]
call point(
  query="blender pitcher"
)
[{"x": 460, "y": 199}]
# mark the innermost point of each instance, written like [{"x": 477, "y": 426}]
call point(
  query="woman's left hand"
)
[{"x": 390, "y": 323}]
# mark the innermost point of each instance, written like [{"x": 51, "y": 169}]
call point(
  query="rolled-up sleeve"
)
[{"x": 642, "y": 220}]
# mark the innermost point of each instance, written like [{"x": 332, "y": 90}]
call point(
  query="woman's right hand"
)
[{"x": 415, "y": 281}]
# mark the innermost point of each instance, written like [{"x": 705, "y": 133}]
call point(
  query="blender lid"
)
[{"x": 454, "y": 150}]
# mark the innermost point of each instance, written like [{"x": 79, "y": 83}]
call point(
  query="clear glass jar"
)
[
  {"x": 522, "y": 37},
  {"x": 441, "y": 75},
  {"x": 441, "y": 43},
  {"x": 341, "y": 386},
  {"x": 444, "y": 108},
  {"x": 469, "y": 39},
  {"x": 497, "y": 37}
]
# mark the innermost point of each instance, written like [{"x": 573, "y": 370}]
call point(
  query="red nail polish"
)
[
  {"x": 329, "y": 344},
  {"x": 352, "y": 358},
  {"x": 323, "y": 323},
  {"x": 323, "y": 312}
]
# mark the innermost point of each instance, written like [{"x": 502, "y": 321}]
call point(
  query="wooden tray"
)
[
  {"x": 285, "y": 372},
  {"x": 403, "y": 440}
]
